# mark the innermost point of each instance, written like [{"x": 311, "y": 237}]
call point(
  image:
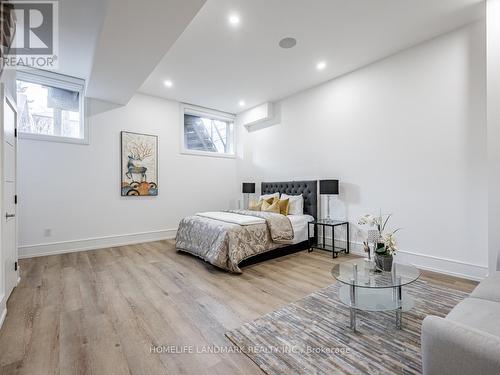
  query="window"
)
[
  {"x": 50, "y": 107},
  {"x": 207, "y": 132}
]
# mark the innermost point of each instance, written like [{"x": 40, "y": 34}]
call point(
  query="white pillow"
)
[
  {"x": 267, "y": 196},
  {"x": 295, "y": 204}
]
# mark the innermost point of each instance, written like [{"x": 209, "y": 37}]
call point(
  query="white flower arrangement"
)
[
  {"x": 388, "y": 239},
  {"x": 368, "y": 219}
]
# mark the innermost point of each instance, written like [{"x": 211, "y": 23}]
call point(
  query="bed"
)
[{"x": 229, "y": 239}]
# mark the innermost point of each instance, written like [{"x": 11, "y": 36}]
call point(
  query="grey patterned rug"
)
[{"x": 311, "y": 336}]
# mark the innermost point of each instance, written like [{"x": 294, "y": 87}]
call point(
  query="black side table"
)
[{"x": 319, "y": 242}]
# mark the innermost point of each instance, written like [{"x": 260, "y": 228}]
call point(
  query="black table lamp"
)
[
  {"x": 248, "y": 188},
  {"x": 328, "y": 188}
]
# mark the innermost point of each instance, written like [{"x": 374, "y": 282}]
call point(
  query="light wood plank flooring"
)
[{"x": 99, "y": 312}]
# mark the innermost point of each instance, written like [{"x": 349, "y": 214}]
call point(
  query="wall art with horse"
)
[{"x": 139, "y": 164}]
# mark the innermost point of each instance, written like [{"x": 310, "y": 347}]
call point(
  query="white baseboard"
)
[
  {"x": 430, "y": 263},
  {"x": 3, "y": 312},
  {"x": 31, "y": 251},
  {"x": 446, "y": 266}
]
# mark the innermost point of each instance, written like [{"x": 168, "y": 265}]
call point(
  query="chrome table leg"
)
[
  {"x": 352, "y": 308},
  {"x": 399, "y": 310}
]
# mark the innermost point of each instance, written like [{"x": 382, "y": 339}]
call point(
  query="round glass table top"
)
[{"x": 363, "y": 273}]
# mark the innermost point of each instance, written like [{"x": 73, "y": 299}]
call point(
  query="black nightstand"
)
[{"x": 319, "y": 242}]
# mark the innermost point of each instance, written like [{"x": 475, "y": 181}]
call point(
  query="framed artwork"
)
[{"x": 139, "y": 164}]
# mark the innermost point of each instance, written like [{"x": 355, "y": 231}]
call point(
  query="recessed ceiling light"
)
[
  {"x": 168, "y": 83},
  {"x": 321, "y": 65},
  {"x": 241, "y": 103},
  {"x": 287, "y": 42},
  {"x": 234, "y": 19}
]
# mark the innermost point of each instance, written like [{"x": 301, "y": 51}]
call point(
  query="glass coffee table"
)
[{"x": 367, "y": 289}]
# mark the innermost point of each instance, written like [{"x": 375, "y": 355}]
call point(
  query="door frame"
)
[{"x": 7, "y": 100}]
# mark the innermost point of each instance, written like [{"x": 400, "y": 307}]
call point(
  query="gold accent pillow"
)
[
  {"x": 284, "y": 203},
  {"x": 267, "y": 202},
  {"x": 255, "y": 206},
  {"x": 271, "y": 207}
]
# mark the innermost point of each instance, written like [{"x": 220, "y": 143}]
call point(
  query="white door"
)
[{"x": 8, "y": 218}]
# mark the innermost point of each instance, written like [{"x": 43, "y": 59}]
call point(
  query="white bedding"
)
[
  {"x": 230, "y": 217},
  {"x": 299, "y": 224},
  {"x": 295, "y": 204}
]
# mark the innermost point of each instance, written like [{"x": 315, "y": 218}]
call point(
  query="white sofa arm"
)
[{"x": 450, "y": 347}]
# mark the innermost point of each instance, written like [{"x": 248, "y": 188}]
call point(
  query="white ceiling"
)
[
  {"x": 216, "y": 65},
  {"x": 133, "y": 39},
  {"x": 115, "y": 44},
  {"x": 80, "y": 23}
]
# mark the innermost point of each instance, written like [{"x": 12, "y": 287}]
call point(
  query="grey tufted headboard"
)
[{"x": 308, "y": 189}]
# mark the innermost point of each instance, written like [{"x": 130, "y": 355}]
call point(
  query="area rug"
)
[{"x": 311, "y": 336}]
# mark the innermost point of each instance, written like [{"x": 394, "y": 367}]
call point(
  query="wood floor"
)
[{"x": 100, "y": 312}]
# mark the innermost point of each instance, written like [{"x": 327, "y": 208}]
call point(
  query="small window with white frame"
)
[
  {"x": 207, "y": 132},
  {"x": 51, "y": 107}
]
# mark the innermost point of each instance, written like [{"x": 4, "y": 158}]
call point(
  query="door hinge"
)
[
  {"x": 15, "y": 199},
  {"x": 15, "y": 266},
  {"x": 15, "y": 132}
]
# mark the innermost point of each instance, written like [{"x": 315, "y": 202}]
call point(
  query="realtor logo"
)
[{"x": 35, "y": 43}]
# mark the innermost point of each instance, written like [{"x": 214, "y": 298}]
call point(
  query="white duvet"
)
[
  {"x": 299, "y": 224},
  {"x": 233, "y": 218}
]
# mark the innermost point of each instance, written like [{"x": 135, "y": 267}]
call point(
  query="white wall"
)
[
  {"x": 74, "y": 190},
  {"x": 406, "y": 135},
  {"x": 493, "y": 36}
]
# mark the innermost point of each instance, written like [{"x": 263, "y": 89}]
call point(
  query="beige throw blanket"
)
[{"x": 280, "y": 227}]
